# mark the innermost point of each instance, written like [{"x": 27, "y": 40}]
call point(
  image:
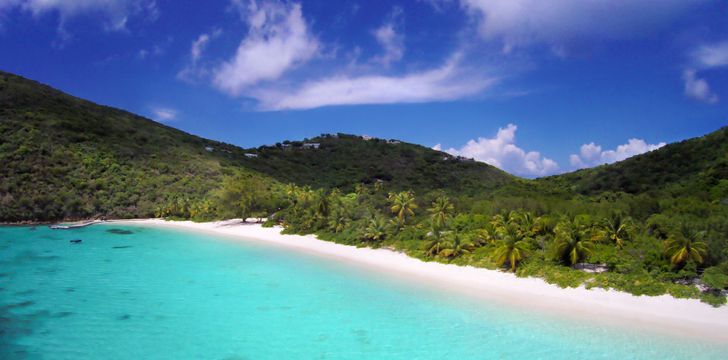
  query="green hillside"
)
[
  {"x": 64, "y": 157},
  {"x": 694, "y": 167},
  {"x": 342, "y": 161}
]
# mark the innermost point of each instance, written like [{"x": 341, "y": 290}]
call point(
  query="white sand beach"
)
[{"x": 683, "y": 317}]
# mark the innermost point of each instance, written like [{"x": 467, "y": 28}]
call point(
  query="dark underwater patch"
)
[
  {"x": 121, "y": 247},
  {"x": 62, "y": 314},
  {"x": 30, "y": 256},
  {"x": 21, "y": 304},
  {"x": 120, "y": 231},
  {"x": 17, "y": 326}
]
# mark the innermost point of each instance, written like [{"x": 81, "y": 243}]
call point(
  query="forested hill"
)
[
  {"x": 694, "y": 167},
  {"x": 342, "y": 161},
  {"x": 64, "y": 157}
]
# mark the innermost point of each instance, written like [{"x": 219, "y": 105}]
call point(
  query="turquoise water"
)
[{"x": 148, "y": 293}]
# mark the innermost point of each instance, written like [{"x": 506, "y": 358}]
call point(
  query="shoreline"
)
[{"x": 662, "y": 314}]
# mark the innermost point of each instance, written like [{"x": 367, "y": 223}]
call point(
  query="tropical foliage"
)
[{"x": 686, "y": 245}]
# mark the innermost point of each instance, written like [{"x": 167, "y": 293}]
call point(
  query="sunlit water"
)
[{"x": 147, "y": 293}]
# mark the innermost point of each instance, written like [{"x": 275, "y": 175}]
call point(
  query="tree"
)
[
  {"x": 485, "y": 235},
  {"x": 361, "y": 189},
  {"x": 616, "y": 229},
  {"x": 716, "y": 276},
  {"x": 402, "y": 204},
  {"x": 454, "y": 246},
  {"x": 686, "y": 244},
  {"x": 572, "y": 242},
  {"x": 339, "y": 219},
  {"x": 440, "y": 211},
  {"x": 321, "y": 203},
  {"x": 376, "y": 229},
  {"x": 436, "y": 243},
  {"x": 512, "y": 245},
  {"x": 544, "y": 230},
  {"x": 244, "y": 195},
  {"x": 528, "y": 223}
]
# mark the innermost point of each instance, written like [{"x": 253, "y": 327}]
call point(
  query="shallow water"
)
[{"x": 129, "y": 292}]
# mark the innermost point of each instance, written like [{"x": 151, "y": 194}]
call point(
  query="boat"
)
[{"x": 74, "y": 226}]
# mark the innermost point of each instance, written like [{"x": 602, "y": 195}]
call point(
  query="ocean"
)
[{"x": 136, "y": 292}]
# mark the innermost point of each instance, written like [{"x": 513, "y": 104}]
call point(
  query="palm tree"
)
[
  {"x": 454, "y": 247},
  {"x": 321, "y": 203},
  {"x": 402, "y": 204},
  {"x": 572, "y": 242},
  {"x": 436, "y": 244},
  {"x": 376, "y": 230},
  {"x": 686, "y": 245},
  {"x": 396, "y": 225},
  {"x": 291, "y": 190},
  {"x": 505, "y": 218},
  {"x": 485, "y": 235},
  {"x": 511, "y": 246},
  {"x": 440, "y": 211},
  {"x": 339, "y": 218},
  {"x": 616, "y": 228},
  {"x": 528, "y": 223},
  {"x": 543, "y": 230},
  {"x": 360, "y": 189}
]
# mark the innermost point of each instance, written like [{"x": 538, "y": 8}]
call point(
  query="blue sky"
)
[{"x": 533, "y": 87}]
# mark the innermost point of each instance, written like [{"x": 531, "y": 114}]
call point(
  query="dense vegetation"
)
[
  {"x": 656, "y": 223},
  {"x": 692, "y": 167},
  {"x": 342, "y": 161},
  {"x": 664, "y": 253},
  {"x": 63, "y": 157}
]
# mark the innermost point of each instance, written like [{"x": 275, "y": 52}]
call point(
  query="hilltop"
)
[
  {"x": 342, "y": 161},
  {"x": 693, "y": 167}
]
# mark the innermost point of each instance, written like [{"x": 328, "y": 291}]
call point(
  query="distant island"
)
[{"x": 653, "y": 224}]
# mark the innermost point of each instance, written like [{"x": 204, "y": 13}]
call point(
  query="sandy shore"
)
[{"x": 683, "y": 317}]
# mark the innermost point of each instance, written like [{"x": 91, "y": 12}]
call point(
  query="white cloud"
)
[
  {"x": 520, "y": 22},
  {"x": 502, "y": 152},
  {"x": 704, "y": 57},
  {"x": 592, "y": 155},
  {"x": 4, "y": 4},
  {"x": 155, "y": 50},
  {"x": 115, "y": 13},
  {"x": 448, "y": 82},
  {"x": 199, "y": 45},
  {"x": 193, "y": 70},
  {"x": 438, "y": 5},
  {"x": 711, "y": 55},
  {"x": 163, "y": 114},
  {"x": 278, "y": 40},
  {"x": 697, "y": 88},
  {"x": 391, "y": 41}
]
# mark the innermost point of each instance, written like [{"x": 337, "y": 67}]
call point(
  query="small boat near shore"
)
[{"x": 74, "y": 225}]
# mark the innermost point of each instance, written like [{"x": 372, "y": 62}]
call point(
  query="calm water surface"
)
[{"x": 128, "y": 292}]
